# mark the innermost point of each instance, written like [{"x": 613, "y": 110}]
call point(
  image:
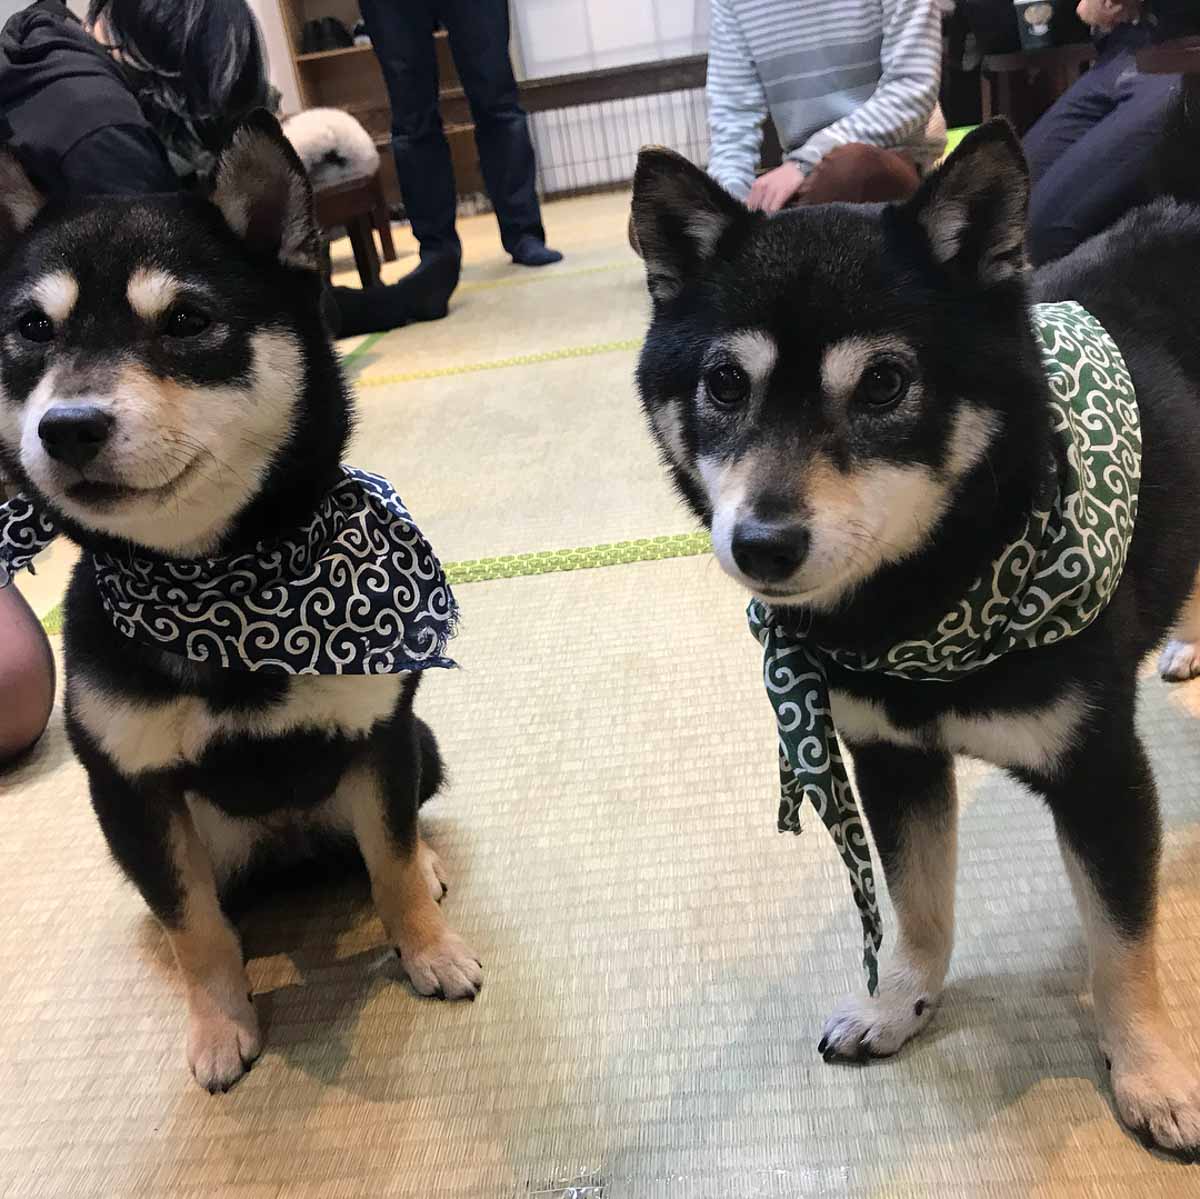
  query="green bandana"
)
[{"x": 1050, "y": 583}]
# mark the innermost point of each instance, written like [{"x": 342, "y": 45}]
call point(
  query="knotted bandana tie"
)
[
  {"x": 355, "y": 590},
  {"x": 1048, "y": 584}
]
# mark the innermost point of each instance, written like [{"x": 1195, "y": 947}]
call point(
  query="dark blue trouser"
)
[
  {"x": 1091, "y": 154},
  {"x": 402, "y": 31}
]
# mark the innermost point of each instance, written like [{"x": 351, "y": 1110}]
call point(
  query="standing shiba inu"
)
[
  {"x": 854, "y": 401},
  {"x": 168, "y": 393}
]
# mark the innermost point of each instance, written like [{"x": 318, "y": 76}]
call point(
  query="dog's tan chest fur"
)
[{"x": 140, "y": 736}]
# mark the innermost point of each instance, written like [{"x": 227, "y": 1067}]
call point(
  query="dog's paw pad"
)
[
  {"x": 1180, "y": 661},
  {"x": 220, "y": 1048},
  {"x": 433, "y": 872},
  {"x": 447, "y": 968},
  {"x": 864, "y": 1026},
  {"x": 1160, "y": 1099}
]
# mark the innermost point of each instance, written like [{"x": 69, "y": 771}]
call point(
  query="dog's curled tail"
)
[{"x": 1178, "y": 159}]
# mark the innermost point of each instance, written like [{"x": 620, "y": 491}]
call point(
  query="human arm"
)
[{"x": 737, "y": 104}]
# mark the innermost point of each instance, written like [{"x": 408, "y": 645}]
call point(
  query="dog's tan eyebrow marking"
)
[
  {"x": 56, "y": 295},
  {"x": 151, "y": 292},
  {"x": 842, "y": 365},
  {"x": 755, "y": 351}
]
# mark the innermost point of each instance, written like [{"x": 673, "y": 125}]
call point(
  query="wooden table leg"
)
[
  {"x": 362, "y": 242},
  {"x": 383, "y": 225},
  {"x": 381, "y": 219}
]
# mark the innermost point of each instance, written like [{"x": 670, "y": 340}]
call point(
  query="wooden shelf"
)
[
  {"x": 350, "y": 78},
  {"x": 318, "y": 55}
]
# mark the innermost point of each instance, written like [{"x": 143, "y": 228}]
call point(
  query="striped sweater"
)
[{"x": 829, "y": 72}]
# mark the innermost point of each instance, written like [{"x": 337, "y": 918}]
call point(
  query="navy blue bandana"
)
[{"x": 356, "y": 590}]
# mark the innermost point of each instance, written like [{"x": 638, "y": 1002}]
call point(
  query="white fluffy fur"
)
[{"x": 322, "y": 137}]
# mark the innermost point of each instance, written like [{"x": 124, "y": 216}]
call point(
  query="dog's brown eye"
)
[
  {"x": 185, "y": 322},
  {"x": 727, "y": 385},
  {"x": 882, "y": 385},
  {"x": 36, "y": 326}
]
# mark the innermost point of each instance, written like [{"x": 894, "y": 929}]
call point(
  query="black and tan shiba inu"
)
[
  {"x": 854, "y": 401},
  {"x": 167, "y": 387}
]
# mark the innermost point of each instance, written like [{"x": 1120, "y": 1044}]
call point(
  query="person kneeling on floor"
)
[{"x": 852, "y": 87}]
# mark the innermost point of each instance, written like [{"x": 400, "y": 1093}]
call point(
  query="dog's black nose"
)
[
  {"x": 769, "y": 553},
  {"x": 74, "y": 433}
]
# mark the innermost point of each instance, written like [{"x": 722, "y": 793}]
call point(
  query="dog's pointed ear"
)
[
  {"x": 972, "y": 211},
  {"x": 20, "y": 201},
  {"x": 679, "y": 216},
  {"x": 263, "y": 192}
]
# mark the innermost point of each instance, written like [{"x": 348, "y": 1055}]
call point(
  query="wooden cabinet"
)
[{"x": 351, "y": 79}]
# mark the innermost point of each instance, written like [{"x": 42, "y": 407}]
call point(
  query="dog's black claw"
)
[
  {"x": 822, "y": 1046},
  {"x": 919, "y": 1007},
  {"x": 1107, "y": 1062}
]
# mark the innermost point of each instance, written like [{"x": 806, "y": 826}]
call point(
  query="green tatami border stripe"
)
[
  {"x": 543, "y": 562},
  {"x": 548, "y": 276},
  {"x": 363, "y": 346},
  {"x": 440, "y": 372}
]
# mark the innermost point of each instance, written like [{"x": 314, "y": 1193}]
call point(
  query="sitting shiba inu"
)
[
  {"x": 246, "y": 628},
  {"x": 855, "y": 401}
]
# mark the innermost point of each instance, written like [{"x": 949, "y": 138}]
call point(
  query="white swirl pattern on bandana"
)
[
  {"x": 25, "y": 530},
  {"x": 356, "y": 590}
]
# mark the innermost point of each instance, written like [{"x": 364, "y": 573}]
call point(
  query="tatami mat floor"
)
[{"x": 659, "y": 960}]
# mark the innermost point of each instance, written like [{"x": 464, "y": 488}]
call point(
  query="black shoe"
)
[{"x": 428, "y": 288}]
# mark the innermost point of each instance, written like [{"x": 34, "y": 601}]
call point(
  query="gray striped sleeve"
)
[
  {"x": 903, "y": 103},
  {"x": 736, "y": 104}
]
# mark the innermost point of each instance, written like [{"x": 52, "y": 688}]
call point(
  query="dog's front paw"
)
[
  {"x": 1158, "y": 1096},
  {"x": 1180, "y": 661},
  {"x": 447, "y": 968},
  {"x": 433, "y": 872},
  {"x": 865, "y": 1026},
  {"x": 221, "y": 1047}
]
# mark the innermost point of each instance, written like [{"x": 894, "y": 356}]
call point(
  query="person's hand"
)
[
  {"x": 1108, "y": 14},
  {"x": 774, "y": 189}
]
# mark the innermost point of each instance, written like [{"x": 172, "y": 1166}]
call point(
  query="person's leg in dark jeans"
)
[
  {"x": 479, "y": 35},
  {"x": 402, "y": 34},
  {"x": 1091, "y": 156},
  {"x": 1090, "y": 99}
]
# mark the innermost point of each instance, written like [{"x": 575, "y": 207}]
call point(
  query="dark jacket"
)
[{"x": 67, "y": 111}]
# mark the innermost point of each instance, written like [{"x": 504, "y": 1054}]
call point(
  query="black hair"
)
[{"x": 196, "y": 67}]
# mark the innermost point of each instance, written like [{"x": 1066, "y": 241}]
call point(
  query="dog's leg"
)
[
  {"x": 1180, "y": 659},
  {"x": 155, "y": 842},
  {"x": 1106, "y": 813},
  {"x": 223, "y": 1034},
  {"x": 909, "y": 800},
  {"x": 404, "y": 881}
]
